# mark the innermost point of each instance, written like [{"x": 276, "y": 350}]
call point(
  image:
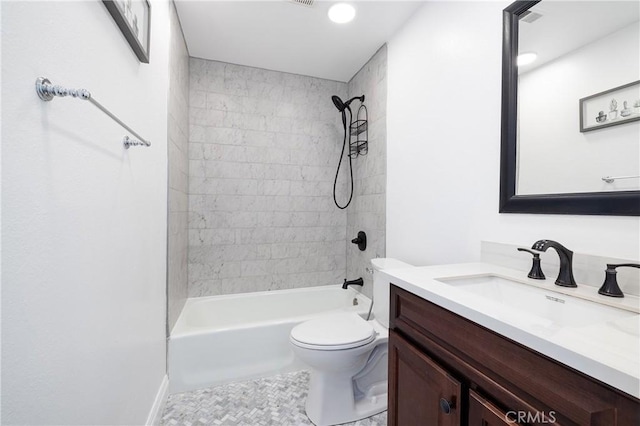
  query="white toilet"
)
[{"x": 347, "y": 357}]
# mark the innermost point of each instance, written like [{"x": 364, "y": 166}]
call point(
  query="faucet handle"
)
[
  {"x": 534, "y": 253},
  {"x": 536, "y": 270},
  {"x": 610, "y": 286}
]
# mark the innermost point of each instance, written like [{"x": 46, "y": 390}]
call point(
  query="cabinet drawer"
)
[{"x": 484, "y": 413}]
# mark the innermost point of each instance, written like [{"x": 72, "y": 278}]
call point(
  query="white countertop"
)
[{"x": 609, "y": 352}]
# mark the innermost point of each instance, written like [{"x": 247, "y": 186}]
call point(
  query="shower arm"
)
[{"x": 346, "y": 104}]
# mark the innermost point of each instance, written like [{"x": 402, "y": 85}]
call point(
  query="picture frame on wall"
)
[
  {"x": 612, "y": 107},
  {"x": 133, "y": 17}
]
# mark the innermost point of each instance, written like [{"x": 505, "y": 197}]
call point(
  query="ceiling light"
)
[
  {"x": 526, "y": 58},
  {"x": 342, "y": 13}
]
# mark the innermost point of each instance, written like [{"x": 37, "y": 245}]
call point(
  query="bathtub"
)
[{"x": 222, "y": 339}]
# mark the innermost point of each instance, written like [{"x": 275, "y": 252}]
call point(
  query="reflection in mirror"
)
[{"x": 582, "y": 49}]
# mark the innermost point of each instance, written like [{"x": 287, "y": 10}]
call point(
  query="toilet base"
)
[{"x": 332, "y": 400}]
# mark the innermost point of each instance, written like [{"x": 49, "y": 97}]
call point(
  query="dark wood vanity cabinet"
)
[{"x": 447, "y": 370}]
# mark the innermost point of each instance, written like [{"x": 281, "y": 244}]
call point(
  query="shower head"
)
[
  {"x": 338, "y": 103},
  {"x": 344, "y": 105}
]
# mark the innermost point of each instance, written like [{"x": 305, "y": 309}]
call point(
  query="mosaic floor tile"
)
[{"x": 271, "y": 401}]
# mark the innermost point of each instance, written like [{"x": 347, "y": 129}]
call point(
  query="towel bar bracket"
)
[
  {"x": 47, "y": 91},
  {"x": 128, "y": 142}
]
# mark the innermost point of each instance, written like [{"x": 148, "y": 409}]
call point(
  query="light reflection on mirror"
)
[{"x": 583, "y": 48}]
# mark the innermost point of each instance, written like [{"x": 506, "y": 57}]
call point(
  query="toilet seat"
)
[{"x": 334, "y": 332}]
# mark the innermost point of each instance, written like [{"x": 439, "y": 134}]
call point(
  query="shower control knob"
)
[{"x": 361, "y": 241}]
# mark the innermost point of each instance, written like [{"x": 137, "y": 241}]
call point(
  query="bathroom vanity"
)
[{"x": 459, "y": 358}]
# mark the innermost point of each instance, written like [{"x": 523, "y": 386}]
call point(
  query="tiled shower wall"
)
[
  {"x": 367, "y": 211},
  {"x": 178, "y": 131},
  {"x": 263, "y": 149}
]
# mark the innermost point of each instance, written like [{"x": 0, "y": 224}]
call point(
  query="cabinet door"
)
[
  {"x": 483, "y": 413},
  {"x": 420, "y": 391}
]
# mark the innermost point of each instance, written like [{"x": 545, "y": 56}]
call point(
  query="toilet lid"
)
[{"x": 333, "y": 332}]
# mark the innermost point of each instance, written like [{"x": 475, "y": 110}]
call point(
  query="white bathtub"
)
[{"x": 222, "y": 339}]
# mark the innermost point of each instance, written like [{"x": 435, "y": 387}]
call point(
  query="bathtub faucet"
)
[{"x": 358, "y": 281}]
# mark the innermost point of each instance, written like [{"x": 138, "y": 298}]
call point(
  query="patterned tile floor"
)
[{"x": 277, "y": 401}]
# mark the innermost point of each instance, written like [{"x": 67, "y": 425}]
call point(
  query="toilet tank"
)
[{"x": 381, "y": 287}]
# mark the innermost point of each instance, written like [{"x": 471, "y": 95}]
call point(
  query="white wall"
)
[
  {"x": 549, "y": 132},
  {"x": 84, "y": 221},
  {"x": 443, "y": 147}
]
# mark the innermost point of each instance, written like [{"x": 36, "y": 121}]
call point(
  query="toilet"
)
[{"x": 347, "y": 357}]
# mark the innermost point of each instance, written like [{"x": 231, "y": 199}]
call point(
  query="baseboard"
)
[{"x": 155, "y": 414}]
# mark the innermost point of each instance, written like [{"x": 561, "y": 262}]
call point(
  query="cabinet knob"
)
[{"x": 446, "y": 406}]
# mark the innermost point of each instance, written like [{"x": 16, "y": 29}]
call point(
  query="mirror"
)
[{"x": 571, "y": 119}]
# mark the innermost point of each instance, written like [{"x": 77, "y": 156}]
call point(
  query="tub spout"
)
[{"x": 358, "y": 281}]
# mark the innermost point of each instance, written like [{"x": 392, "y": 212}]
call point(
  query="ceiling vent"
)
[
  {"x": 530, "y": 17},
  {"x": 308, "y": 3}
]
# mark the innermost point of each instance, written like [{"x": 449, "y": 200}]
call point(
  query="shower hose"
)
[{"x": 347, "y": 136}]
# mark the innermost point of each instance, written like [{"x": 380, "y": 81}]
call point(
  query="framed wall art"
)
[
  {"x": 619, "y": 105},
  {"x": 133, "y": 18}
]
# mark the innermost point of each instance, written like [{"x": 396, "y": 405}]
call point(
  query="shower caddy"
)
[{"x": 359, "y": 129}]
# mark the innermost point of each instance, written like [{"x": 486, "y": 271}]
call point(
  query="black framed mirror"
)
[{"x": 619, "y": 202}]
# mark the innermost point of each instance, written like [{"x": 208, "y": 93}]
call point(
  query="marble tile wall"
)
[
  {"x": 368, "y": 209},
  {"x": 178, "y": 131},
  {"x": 263, "y": 148}
]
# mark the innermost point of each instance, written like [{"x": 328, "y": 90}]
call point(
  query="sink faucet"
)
[
  {"x": 565, "y": 276},
  {"x": 358, "y": 281}
]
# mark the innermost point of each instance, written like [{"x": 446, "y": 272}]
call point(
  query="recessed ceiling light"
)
[
  {"x": 526, "y": 58},
  {"x": 341, "y": 13}
]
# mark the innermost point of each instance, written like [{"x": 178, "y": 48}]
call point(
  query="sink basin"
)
[{"x": 559, "y": 310}]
